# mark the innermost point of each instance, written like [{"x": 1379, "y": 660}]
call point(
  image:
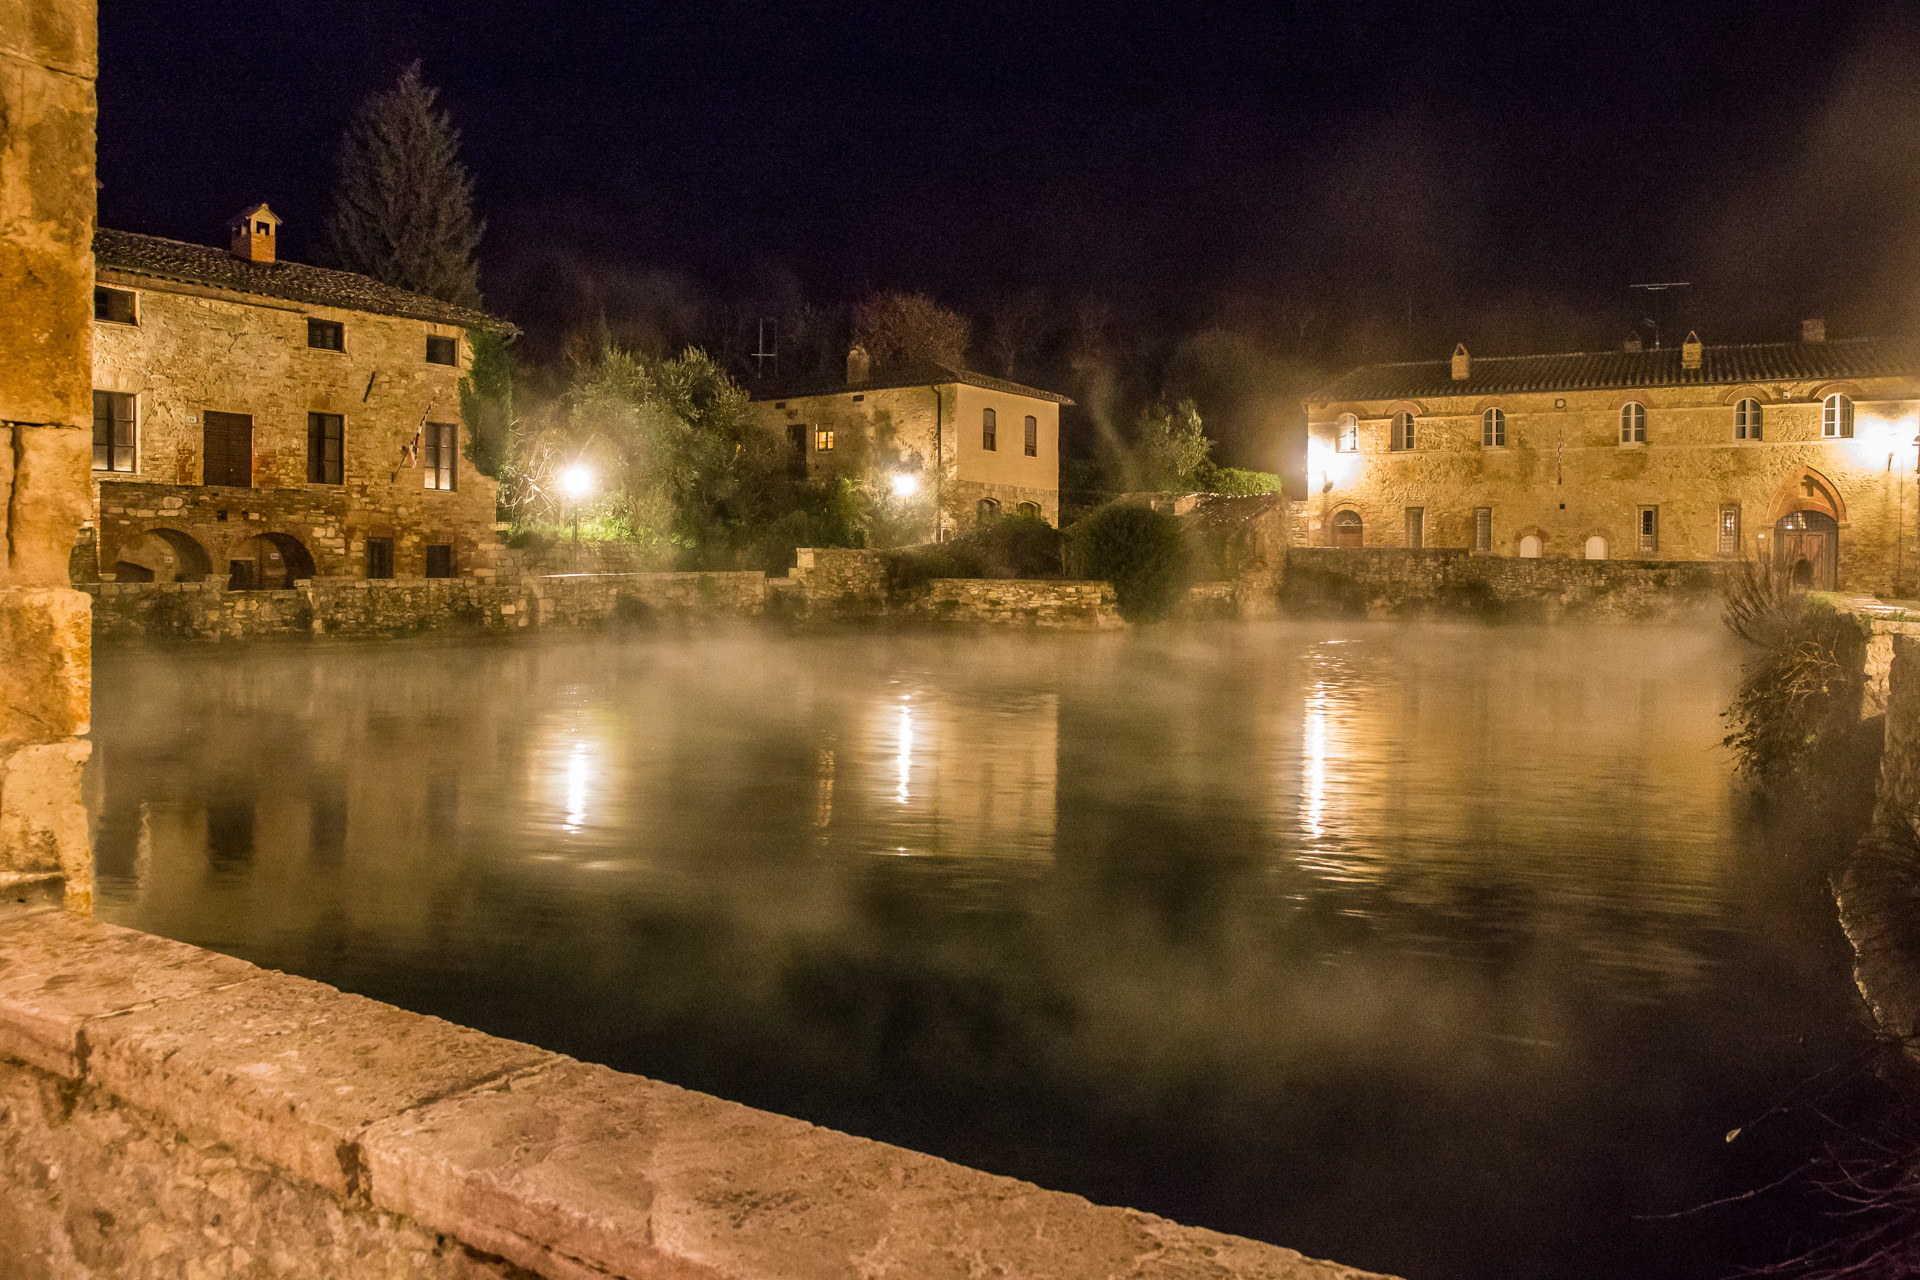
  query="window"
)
[
  {"x": 1729, "y": 528},
  {"x": 1029, "y": 509},
  {"x": 1483, "y": 529},
  {"x": 228, "y": 449},
  {"x": 823, "y": 440},
  {"x": 1649, "y": 530},
  {"x": 325, "y": 452},
  {"x": 1493, "y": 429},
  {"x": 440, "y": 438},
  {"x": 989, "y": 430},
  {"x": 442, "y": 350},
  {"x": 439, "y": 560},
  {"x": 115, "y": 305},
  {"x": 379, "y": 557},
  {"x": 1633, "y": 423},
  {"x": 1746, "y": 419},
  {"x": 1347, "y": 434},
  {"x": 1402, "y": 431},
  {"x": 986, "y": 509},
  {"x": 1836, "y": 418},
  {"x": 1530, "y": 547},
  {"x": 1596, "y": 547},
  {"x": 113, "y": 436},
  {"x": 1033, "y": 436},
  {"x": 1416, "y": 528},
  {"x": 326, "y": 335},
  {"x": 797, "y": 448}
]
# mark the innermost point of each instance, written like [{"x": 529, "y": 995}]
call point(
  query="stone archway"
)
[
  {"x": 1349, "y": 530},
  {"x": 268, "y": 562},
  {"x": 162, "y": 555}
]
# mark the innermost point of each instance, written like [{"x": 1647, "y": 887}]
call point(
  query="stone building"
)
[
  {"x": 268, "y": 421},
  {"x": 972, "y": 445},
  {"x": 1801, "y": 454}
]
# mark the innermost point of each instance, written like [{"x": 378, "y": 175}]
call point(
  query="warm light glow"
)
[
  {"x": 906, "y": 752},
  {"x": 1315, "y": 743},
  {"x": 905, "y": 486},
  {"x": 1327, "y": 465},
  {"x": 577, "y": 481}
]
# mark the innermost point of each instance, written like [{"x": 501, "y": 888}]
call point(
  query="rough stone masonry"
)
[{"x": 48, "y": 58}]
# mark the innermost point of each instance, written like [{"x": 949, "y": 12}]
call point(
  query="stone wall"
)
[
  {"x": 1082, "y": 606},
  {"x": 48, "y": 54},
  {"x": 165, "y": 1111},
  {"x": 840, "y": 581},
  {"x": 1383, "y": 582}
]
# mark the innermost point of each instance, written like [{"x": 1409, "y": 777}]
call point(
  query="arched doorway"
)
[
  {"x": 268, "y": 562},
  {"x": 1530, "y": 547},
  {"x": 1806, "y": 549},
  {"x": 1348, "y": 530},
  {"x": 1596, "y": 547},
  {"x": 162, "y": 555}
]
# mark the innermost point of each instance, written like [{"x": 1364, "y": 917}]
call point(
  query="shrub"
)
[
  {"x": 1798, "y": 704},
  {"x": 1137, "y": 549},
  {"x": 1239, "y": 483},
  {"x": 1011, "y": 546}
]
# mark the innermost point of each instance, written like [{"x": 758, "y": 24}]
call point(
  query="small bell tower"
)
[{"x": 252, "y": 233}]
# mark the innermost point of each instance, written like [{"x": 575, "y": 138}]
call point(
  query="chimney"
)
[
  {"x": 1690, "y": 352},
  {"x": 1461, "y": 360},
  {"x": 1813, "y": 331},
  {"x": 858, "y": 366},
  {"x": 251, "y": 234},
  {"x": 1632, "y": 344}
]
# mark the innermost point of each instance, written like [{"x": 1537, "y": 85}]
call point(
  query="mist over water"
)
[{"x": 1448, "y": 951}]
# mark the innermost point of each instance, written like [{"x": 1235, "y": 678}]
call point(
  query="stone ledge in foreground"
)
[{"x": 561, "y": 1168}]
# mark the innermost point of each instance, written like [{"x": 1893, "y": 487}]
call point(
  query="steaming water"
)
[{"x": 1446, "y": 951}]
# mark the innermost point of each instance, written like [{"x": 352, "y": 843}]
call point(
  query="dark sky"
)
[{"x": 1474, "y": 165}]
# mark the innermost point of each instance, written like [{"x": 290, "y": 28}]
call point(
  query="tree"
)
[
  {"x": 403, "y": 202},
  {"x": 910, "y": 328},
  {"x": 1169, "y": 448},
  {"x": 486, "y": 400}
]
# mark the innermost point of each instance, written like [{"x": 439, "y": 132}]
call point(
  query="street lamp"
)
[
  {"x": 577, "y": 482},
  {"x": 905, "y": 485}
]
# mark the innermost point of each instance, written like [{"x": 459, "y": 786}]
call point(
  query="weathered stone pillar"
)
[{"x": 48, "y": 60}]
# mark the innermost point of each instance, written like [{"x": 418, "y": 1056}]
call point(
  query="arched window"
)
[
  {"x": 1596, "y": 548},
  {"x": 1633, "y": 423},
  {"x": 1347, "y": 529},
  {"x": 1029, "y": 509},
  {"x": 989, "y": 429},
  {"x": 1530, "y": 547},
  {"x": 1348, "y": 439},
  {"x": 1493, "y": 429},
  {"x": 987, "y": 508},
  {"x": 1746, "y": 419},
  {"x": 1836, "y": 417},
  {"x": 1033, "y": 436},
  {"x": 1402, "y": 431}
]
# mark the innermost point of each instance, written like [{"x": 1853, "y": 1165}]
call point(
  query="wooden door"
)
[
  {"x": 1347, "y": 529},
  {"x": 227, "y": 453},
  {"x": 1806, "y": 547}
]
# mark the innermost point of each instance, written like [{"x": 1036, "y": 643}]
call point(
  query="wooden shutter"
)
[{"x": 228, "y": 445}]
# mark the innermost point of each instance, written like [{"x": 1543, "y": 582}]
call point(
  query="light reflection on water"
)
[{"x": 1413, "y": 946}]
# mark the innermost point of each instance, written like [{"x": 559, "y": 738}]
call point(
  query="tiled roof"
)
[
  {"x": 292, "y": 281},
  {"x": 921, "y": 375},
  {"x": 1602, "y": 370}
]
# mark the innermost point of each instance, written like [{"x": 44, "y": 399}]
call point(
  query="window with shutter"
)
[
  {"x": 227, "y": 456},
  {"x": 379, "y": 557},
  {"x": 113, "y": 431},
  {"x": 325, "y": 448}
]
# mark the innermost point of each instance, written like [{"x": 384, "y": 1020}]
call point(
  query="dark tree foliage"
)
[
  {"x": 1137, "y": 549},
  {"x": 1009, "y": 546},
  {"x": 403, "y": 202},
  {"x": 904, "y": 329},
  {"x": 486, "y": 401}
]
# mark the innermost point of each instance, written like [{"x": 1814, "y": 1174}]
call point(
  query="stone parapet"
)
[
  {"x": 176, "y": 1112},
  {"x": 1388, "y": 582}
]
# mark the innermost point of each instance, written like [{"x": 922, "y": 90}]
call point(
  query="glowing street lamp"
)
[
  {"x": 577, "y": 482},
  {"x": 905, "y": 485}
]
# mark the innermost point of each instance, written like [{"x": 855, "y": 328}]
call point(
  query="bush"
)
[
  {"x": 1137, "y": 549},
  {"x": 1237, "y": 482},
  {"x": 1011, "y": 546},
  {"x": 1798, "y": 706}
]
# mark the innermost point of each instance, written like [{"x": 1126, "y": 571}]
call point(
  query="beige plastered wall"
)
[
  {"x": 1564, "y": 477},
  {"x": 48, "y": 56},
  {"x": 193, "y": 349}
]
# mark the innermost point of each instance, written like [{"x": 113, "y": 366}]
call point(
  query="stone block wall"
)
[
  {"x": 47, "y": 111},
  {"x": 840, "y": 581},
  {"x": 1083, "y": 606},
  {"x": 166, "y": 1111},
  {"x": 1385, "y": 582}
]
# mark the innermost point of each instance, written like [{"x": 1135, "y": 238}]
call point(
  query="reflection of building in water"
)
[{"x": 968, "y": 772}]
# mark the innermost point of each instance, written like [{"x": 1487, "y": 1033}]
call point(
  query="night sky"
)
[{"x": 1405, "y": 177}]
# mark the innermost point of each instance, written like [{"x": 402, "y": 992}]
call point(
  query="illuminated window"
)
[
  {"x": 1033, "y": 436},
  {"x": 113, "y": 431},
  {"x": 1402, "y": 431},
  {"x": 989, "y": 430},
  {"x": 1836, "y": 418},
  {"x": 1493, "y": 429},
  {"x": 1633, "y": 423},
  {"x": 326, "y": 335},
  {"x": 439, "y": 440},
  {"x": 1483, "y": 529},
  {"x": 1649, "y": 530},
  {"x": 1729, "y": 528},
  {"x": 823, "y": 439},
  {"x": 1746, "y": 420},
  {"x": 1349, "y": 434}
]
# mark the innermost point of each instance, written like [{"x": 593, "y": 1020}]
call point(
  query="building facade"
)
[
  {"x": 969, "y": 445},
  {"x": 1800, "y": 454},
  {"x": 268, "y": 421}
]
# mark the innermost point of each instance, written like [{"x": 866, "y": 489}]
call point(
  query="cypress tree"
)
[{"x": 403, "y": 202}]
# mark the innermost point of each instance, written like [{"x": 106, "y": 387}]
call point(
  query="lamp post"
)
[{"x": 576, "y": 482}]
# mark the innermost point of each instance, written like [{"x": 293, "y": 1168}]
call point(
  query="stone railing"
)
[
  {"x": 169, "y": 1111},
  {"x": 1392, "y": 582}
]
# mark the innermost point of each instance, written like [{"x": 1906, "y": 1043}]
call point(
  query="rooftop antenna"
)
[
  {"x": 1659, "y": 287},
  {"x": 767, "y": 351}
]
